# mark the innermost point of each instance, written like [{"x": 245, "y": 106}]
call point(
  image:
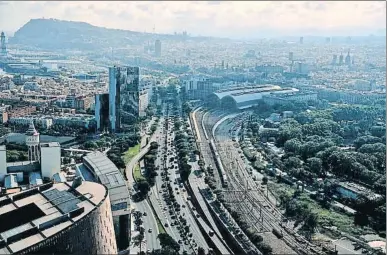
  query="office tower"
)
[
  {"x": 58, "y": 218},
  {"x": 3, "y": 45},
  {"x": 158, "y": 48},
  {"x": 102, "y": 111},
  {"x": 50, "y": 159},
  {"x": 334, "y": 59},
  {"x": 328, "y": 40},
  {"x": 222, "y": 64},
  {"x": 123, "y": 96},
  {"x": 348, "y": 59},
  {"x": 301, "y": 40},
  {"x": 32, "y": 142},
  {"x": 341, "y": 59},
  {"x": 291, "y": 55},
  {"x": 3, "y": 162}
]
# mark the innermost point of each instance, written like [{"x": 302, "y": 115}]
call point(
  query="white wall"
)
[
  {"x": 3, "y": 163},
  {"x": 50, "y": 159}
]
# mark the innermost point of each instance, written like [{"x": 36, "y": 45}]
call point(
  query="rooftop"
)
[
  {"x": 31, "y": 216},
  {"x": 109, "y": 175},
  {"x": 50, "y": 144}
]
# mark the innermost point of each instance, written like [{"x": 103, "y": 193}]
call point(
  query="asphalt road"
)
[{"x": 149, "y": 221}]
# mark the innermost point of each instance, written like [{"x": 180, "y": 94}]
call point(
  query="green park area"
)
[{"x": 130, "y": 153}]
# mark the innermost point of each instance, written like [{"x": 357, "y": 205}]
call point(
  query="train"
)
[{"x": 219, "y": 164}]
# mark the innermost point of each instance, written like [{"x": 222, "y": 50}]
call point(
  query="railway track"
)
[{"x": 269, "y": 216}]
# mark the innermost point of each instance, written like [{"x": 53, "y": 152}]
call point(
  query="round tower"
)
[{"x": 32, "y": 142}]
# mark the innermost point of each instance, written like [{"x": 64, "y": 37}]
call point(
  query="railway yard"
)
[{"x": 244, "y": 194}]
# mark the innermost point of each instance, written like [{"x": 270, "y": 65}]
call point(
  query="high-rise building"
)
[
  {"x": 32, "y": 142},
  {"x": 291, "y": 56},
  {"x": 334, "y": 59},
  {"x": 50, "y": 159},
  {"x": 102, "y": 111},
  {"x": 328, "y": 40},
  {"x": 58, "y": 218},
  {"x": 158, "y": 48},
  {"x": 348, "y": 59},
  {"x": 301, "y": 40},
  {"x": 341, "y": 59},
  {"x": 3, "y": 45},
  {"x": 123, "y": 96}
]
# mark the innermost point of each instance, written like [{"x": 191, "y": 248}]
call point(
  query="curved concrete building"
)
[{"x": 57, "y": 218}]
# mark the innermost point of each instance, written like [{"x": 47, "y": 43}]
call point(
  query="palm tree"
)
[{"x": 139, "y": 240}]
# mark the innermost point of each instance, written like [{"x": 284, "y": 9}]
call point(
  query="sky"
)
[{"x": 233, "y": 19}]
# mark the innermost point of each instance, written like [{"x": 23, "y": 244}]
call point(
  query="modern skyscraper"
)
[
  {"x": 291, "y": 56},
  {"x": 123, "y": 96},
  {"x": 32, "y": 142},
  {"x": 328, "y": 40},
  {"x": 301, "y": 40},
  {"x": 102, "y": 111},
  {"x": 348, "y": 59},
  {"x": 341, "y": 59},
  {"x": 334, "y": 59},
  {"x": 3, "y": 46},
  {"x": 158, "y": 48}
]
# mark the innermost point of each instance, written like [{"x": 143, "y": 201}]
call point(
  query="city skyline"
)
[{"x": 211, "y": 18}]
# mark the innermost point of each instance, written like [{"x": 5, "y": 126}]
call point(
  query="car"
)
[
  {"x": 183, "y": 206},
  {"x": 166, "y": 225},
  {"x": 150, "y": 230},
  {"x": 145, "y": 214},
  {"x": 180, "y": 241},
  {"x": 172, "y": 224}
]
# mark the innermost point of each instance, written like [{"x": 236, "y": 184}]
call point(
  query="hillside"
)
[{"x": 52, "y": 34}]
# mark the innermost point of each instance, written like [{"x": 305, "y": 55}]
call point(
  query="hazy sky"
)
[{"x": 217, "y": 18}]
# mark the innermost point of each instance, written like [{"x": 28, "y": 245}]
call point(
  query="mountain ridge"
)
[{"x": 63, "y": 34}]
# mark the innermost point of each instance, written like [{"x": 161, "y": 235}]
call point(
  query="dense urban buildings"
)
[{"x": 270, "y": 145}]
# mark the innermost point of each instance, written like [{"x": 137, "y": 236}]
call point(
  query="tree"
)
[
  {"x": 315, "y": 165},
  {"x": 201, "y": 251},
  {"x": 139, "y": 238},
  {"x": 166, "y": 241},
  {"x": 311, "y": 221},
  {"x": 378, "y": 131},
  {"x": 143, "y": 186},
  {"x": 292, "y": 162},
  {"x": 264, "y": 179},
  {"x": 373, "y": 148},
  {"x": 264, "y": 248}
]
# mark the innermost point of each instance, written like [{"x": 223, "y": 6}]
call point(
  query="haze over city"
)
[{"x": 244, "y": 19}]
